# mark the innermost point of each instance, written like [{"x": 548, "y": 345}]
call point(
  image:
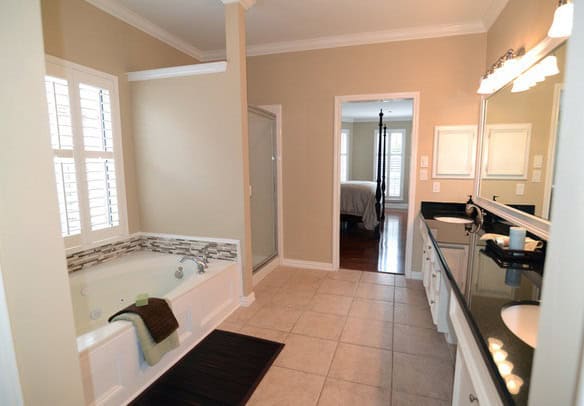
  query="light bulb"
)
[
  {"x": 499, "y": 356},
  {"x": 514, "y": 384},
  {"x": 485, "y": 86},
  {"x": 520, "y": 85},
  {"x": 505, "y": 368},
  {"x": 549, "y": 66},
  {"x": 563, "y": 21}
]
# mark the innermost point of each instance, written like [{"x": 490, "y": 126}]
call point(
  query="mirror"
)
[{"x": 519, "y": 143}]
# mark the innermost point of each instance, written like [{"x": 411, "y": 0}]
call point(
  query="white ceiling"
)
[
  {"x": 369, "y": 110},
  {"x": 283, "y": 25}
]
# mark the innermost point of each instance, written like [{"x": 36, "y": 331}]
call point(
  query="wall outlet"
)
[
  {"x": 536, "y": 176},
  {"x": 436, "y": 187},
  {"x": 424, "y": 161},
  {"x": 423, "y": 174},
  {"x": 537, "y": 161},
  {"x": 520, "y": 189}
]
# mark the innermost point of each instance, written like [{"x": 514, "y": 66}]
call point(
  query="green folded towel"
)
[{"x": 152, "y": 352}]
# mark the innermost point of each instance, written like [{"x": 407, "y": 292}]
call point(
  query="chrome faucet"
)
[
  {"x": 200, "y": 264},
  {"x": 475, "y": 212}
]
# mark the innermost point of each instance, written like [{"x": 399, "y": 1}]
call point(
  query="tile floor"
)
[{"x": 352, "y": 338}]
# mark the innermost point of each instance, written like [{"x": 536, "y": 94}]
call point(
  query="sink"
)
[
  {"x": 453, "y": 220},
  {"x": 522, "y": 318}
]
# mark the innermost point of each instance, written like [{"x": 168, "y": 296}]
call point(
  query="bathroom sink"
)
[
  {"x": 522, "y": 319},
  {"x": 454, "y": 220}
]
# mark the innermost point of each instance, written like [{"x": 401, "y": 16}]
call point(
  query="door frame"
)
[{"x": 336, "y": 222}]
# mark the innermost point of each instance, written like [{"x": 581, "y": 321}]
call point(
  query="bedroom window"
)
[
  {"x": 394, "y": 163},
  {"x": 344, "y": 155},
  {"x": 85, "y": 137}
]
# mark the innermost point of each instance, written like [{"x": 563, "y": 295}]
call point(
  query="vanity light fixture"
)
[
  {"x": 505, "y": 67},
  {"x": 545, "y": 68},
  {"x": 563, "y": 20}
]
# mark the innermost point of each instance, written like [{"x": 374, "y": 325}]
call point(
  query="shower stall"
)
[{"x": 263, "y": 185}]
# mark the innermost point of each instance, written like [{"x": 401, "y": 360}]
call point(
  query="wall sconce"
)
[
  {"x": 505, "y": 67},
  {"x": 563, "y": 20}
]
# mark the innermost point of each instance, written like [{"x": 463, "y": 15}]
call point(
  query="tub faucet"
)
[{"x": 200, "y": 264}]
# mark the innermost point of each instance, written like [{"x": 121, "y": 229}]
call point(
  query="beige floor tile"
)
[
  {"x": 320, "y": 325},
  {"x": 275, "y": 278},
  {"x": 375, "y": 292},
  {"x": 265, "y": 333},
  {"x": 412, "y": 315},
  {"x": 275, "y": 317},
  {"x": 243, "y": 313},
  {"x": 342, "y": 393},
  {"x": 300, "y": 300},
  {"x": 411, "y": 296},
  {"x": 229, "y": 326},
  {"x": 315, "y": 273},
  {"x": 405, "y": 399},
  {"x": 422, "y": 376},
  {"x": 371, "y": 309},
  {"x": 307, "y": 354},
  {"x": 420, "y": 341},
  {"x": 371, "y": 333},
  {"x": 378, "y": 278},
  {"x": 303, "y": 283},
  {"x": 345, "y": 275},
  {"x": 403, "y": 282},
  {"x": 337, "y": 287},
  {"x": 332, "y": 304},
  {"x": 370, "y": 366},
  {"x": 286, "y": 387}
]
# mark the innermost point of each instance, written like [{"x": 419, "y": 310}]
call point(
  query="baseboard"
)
[
  {"x": 297, "y": 263},
  {"x": 246, "y": 301},
  {"x": 265, "y": 270},
  {"x": 396, "y": 206}
]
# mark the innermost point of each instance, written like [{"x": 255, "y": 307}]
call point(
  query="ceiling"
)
[
  {"x": 283, "y": 25},
  {"x": 369, "y": 110}
]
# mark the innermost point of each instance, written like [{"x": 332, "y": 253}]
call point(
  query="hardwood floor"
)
[{"x": 360, "y": 250}]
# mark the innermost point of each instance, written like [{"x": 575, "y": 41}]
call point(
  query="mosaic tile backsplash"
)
[{"x": 177, "y": 246}]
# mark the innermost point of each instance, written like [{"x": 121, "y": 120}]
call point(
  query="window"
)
[
  {"x": 344, "y": 155},
  {"x": 85, "y": 137},
  {"x": 394, "y": 162}
]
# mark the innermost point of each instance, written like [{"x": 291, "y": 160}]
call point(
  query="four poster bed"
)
[{"x": 363, "y": 202}]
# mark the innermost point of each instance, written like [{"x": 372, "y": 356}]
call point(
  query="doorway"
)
[{"x": 374, "y": 187}]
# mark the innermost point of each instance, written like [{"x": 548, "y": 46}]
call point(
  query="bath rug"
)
[{"x": 222, "y": 370}]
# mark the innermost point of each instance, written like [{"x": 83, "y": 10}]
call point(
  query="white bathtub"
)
[{"x": 113, "y": 368}]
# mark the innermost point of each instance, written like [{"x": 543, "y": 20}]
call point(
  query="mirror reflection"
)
[{"x": 520, "y": 136}]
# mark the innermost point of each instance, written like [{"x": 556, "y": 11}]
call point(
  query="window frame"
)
[
  {"x": 404, "y": 133},
  {"x": 75, "y": 74}
]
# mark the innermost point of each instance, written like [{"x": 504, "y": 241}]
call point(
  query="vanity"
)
[{"x": 484, "y": 297}]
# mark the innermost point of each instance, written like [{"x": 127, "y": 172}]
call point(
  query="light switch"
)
[
  {"x": 536, "y": 176},
  {"x": 436, "y": 187},
  {"x": 520, "y": 189},
  {"x": 423, "y": 174},
  {"x": 424, "y": 161},
  {"x": 537, "y": 161}
]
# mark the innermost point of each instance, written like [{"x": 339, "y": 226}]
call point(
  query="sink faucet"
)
[
  {"x": 474, "y": 211},
  {"x": 200, "y": 264}
]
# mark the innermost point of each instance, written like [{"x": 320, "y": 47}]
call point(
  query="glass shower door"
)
[{"x": 262, "y": 173}]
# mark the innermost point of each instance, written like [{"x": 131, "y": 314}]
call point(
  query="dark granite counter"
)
[{"x": 489, "y": 288}]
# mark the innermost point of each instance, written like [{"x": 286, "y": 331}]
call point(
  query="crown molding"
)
[
  {"x": 375, "y": 37},
  {"x": 246, "y": 4},
  {"x": 178, "y": 71},
  {"x": 493, "y": 13},
  {"x": 128, "y": 16}
]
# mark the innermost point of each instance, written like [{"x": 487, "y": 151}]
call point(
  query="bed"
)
[{"x": 358, "y": 200}]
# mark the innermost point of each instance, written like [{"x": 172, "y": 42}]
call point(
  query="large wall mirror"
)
[{"x": 519, "y": 136}]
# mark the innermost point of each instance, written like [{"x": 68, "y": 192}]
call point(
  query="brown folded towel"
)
[{"x": 157, "y": 317}]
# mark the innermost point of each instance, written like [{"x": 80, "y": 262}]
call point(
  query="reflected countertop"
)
[{"x": 489, "y": 289}]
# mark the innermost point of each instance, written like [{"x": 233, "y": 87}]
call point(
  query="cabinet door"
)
[
  {"x": 457, "y": 258},
  {"x": 463, "y": 393}
]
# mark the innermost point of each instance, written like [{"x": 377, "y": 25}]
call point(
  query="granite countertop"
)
[{"x": 489, "y": 289}]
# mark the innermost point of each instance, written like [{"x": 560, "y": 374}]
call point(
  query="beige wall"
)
[
  {"x": 79, "y": 32},
  {"x": 191, "y": 150},
  {"x": 32, "y": 260},
  {"x": 521, "y": 24},
  {"x": 444, "y": 70}
]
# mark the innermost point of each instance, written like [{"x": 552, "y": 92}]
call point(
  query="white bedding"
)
[{"x": 358, "y": 199}]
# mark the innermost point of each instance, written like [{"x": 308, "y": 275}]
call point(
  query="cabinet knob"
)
[
  {"x": 432, "y": 302},
  {"x": 472, "y": 398}
]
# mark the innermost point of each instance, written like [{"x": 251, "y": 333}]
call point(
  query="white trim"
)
[
  {"x": 178, "y": 71},
  {"x": 363, "y": 38},
  {"x": 248, "y": 300},
  {"x": 265, "y": 270},
  {"x": 551, "y": 158},
  {"x": 412, "y": 209},
  {"x": 246, "y": 4},
  {"x": 277, "y": 110},
  {"x": 536, "y": 225},
  {"x": 397, "y": 206},
  {"x": 120, "y": 12},
  {"x": 297, "y": 263}
]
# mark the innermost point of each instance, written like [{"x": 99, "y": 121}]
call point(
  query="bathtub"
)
[{"x": 113, "y": 369}]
